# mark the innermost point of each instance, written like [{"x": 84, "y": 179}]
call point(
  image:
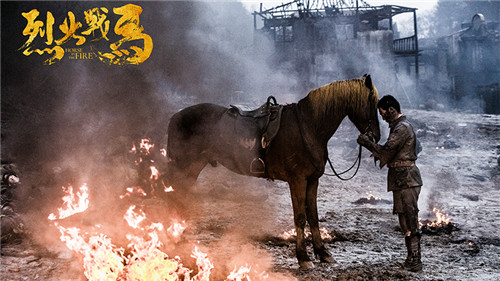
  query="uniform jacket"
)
[{"x": 399, "y": 154}]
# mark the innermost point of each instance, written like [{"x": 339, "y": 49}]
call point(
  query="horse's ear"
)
[{"x": 368, "y": 81}]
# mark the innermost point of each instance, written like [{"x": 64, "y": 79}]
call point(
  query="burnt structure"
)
[
  {"x": 466, "y": 65},
  {"x": 334, "y": 39}
]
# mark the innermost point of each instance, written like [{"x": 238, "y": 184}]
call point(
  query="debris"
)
[
  {"x": 430, "y": 229},
  {"x": 11, "y": 223},
  {"x": 371, "y": 199},
  {"x": 477, "y": 177},
  {"x": 471, "y": 197},
  {"x": 450, "y": 144}
]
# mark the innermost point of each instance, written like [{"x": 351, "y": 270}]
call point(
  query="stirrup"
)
[{"x": 257, "y": 166}]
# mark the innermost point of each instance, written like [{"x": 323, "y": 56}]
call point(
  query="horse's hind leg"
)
[
  {"x": 312, "y": 218},
  {"x": 183, "y": 177},
  {"x": 298, "y": 194}
]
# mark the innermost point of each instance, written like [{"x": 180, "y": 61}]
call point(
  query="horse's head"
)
[{"x": 364, "y": 116}]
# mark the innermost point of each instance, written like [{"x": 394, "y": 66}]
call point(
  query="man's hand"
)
[{"x": 365, "y": 140}]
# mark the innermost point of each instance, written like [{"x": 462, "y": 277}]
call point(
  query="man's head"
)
[{"x": 389, "y": 108}]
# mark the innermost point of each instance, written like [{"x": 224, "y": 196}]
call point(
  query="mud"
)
[{"x": 240, "y": 219}]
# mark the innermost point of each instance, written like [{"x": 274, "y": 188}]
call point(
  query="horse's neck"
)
[{"x": 322, "y": 126}]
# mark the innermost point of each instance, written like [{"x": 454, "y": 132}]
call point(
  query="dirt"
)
[{"x": 240, "y": 220}]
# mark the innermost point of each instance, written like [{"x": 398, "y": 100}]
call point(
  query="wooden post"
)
[{"x": 416, "y": 40}]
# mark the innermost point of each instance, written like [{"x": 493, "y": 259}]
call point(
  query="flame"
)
[
  {"x": 293, "y": 233},
  {"x": 133, "y": 190},
  {"x": 73, "y": 202},
  {"x": 176, "y": 229},
  {"x": 145, "y": 145},
  {"x": 204, "y": 265},
  {"x": 154, "y": 266},
  {"x": 147, "y": 261},
  {"x": 134, "y": 219},
  {"x": 145, "y": 160},
  {"x": 240, "y": 274},
  {"x": 246, "y": 273},
  {"x": 102, "y": 260},
  {"x": 441, "y": 219},
  {"x": 154, "y": 173}
]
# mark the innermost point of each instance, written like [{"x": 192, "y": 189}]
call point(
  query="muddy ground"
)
[{"x": 239, "y": 220}]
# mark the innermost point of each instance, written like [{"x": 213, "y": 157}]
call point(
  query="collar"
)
[{"x": 395, "y": 122}]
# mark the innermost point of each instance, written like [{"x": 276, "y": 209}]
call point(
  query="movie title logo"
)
[{"x": 89, "y": 38}]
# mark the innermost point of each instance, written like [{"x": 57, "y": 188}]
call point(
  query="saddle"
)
[{"x": 259, "y": 124}]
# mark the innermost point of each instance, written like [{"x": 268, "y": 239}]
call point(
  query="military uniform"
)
[{"x": 399, "y": 153}]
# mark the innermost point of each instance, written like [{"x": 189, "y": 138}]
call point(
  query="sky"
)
[{"x": 421, "y": 5}]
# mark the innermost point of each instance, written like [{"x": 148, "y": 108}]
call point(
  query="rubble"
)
[{"x": 12, "y": 226}]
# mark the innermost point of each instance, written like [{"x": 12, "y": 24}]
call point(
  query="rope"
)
[{"x": 358, "y": 159}]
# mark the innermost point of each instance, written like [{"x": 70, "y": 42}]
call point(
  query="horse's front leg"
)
[
  {"x": 312, "y": 218},
  {"x": 298, "y": 194}
]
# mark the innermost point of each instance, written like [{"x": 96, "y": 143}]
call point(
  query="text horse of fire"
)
[{"x": 97, "y": 28}]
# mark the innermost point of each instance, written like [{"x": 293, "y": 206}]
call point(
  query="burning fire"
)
[
  {"x": 293, "y": 233},
  {"x": 145, "y": 145},
  {"x": 146, "y": 162},
  {"x": 177, "y": 229},
  {"x": 134, "y": 190},
  {"x": 104, "y": 261},
  {"x": 154, "y": 173},
  {"x": 441, "y": 220},
  {"x": 143, "y": 258},
  {"x": 240, "y": 274},
  {"x": 73, "y": 202}
]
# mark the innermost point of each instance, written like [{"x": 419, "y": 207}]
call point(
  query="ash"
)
[{"x": 461, "y": 173}]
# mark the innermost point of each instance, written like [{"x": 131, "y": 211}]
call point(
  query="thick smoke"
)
[
  {"x": 74, "y": 122},
  {"x": 202, "y": 53}
]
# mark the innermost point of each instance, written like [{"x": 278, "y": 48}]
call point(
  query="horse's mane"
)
[{"x": 340, "y": 94}]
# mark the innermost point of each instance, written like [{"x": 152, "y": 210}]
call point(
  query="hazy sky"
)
[{"x": 421, "y": 5}]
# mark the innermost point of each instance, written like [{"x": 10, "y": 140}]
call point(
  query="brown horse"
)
[{"x": 297, "y": 154}]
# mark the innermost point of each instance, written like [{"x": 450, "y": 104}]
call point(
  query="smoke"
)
[
  {"x": 88, "y": 111},
  {"x": 75, "y": 122},
  {"x": 451, "y": 74}
]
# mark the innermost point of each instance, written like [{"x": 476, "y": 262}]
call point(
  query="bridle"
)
[{"x": 358, "y": 158}]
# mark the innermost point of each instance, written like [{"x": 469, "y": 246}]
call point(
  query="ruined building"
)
[
  {"x": 329, "y": 40},
  {"x": 464, "y": 66}
]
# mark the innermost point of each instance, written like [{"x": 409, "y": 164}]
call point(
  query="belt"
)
[{"x": 396, "y": 164}]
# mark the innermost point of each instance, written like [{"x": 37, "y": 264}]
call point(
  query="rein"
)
[{"x": 358, "y": 158}]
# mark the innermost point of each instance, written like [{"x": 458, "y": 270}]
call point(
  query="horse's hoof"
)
[
  {"x": 306, "y": 265},
  {"x": 327, "y": 259}
]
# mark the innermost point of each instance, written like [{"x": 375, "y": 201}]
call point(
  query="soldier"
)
[{"x": 403, "y": 179}]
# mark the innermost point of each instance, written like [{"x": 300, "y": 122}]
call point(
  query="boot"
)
[
  {"x": 408, "y": 249},
  {"x": 413, "y": 261}
]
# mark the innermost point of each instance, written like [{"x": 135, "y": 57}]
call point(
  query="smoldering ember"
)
[{"x": 105, "y": 176}]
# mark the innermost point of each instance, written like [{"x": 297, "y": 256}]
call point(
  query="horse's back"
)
[{"x": 191, "y": 129}]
